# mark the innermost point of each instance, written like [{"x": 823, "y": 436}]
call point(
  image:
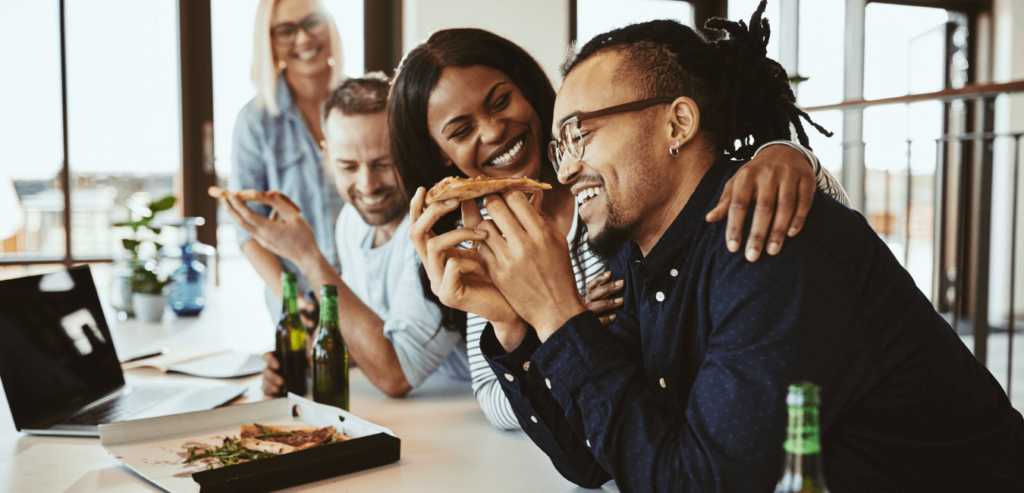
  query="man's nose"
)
[
  {"x": 569, "y": 170},
  {"x": 367, "y": 181}
]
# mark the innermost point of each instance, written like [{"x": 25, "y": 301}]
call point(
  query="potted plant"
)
[
  {"x": 148, "y": 298},
  {"x": 140, "y": 287}
]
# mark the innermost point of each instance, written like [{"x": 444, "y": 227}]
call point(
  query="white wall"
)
[{"x": 541, "y": 27}]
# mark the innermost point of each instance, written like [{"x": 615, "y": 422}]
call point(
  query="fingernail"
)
[
  {"x": 733, "y": 246},
  {"x": 607, "y": 274},
  {"x": 611, "y": 317},
  {"x": 618, "y": 300},
  {"x": 619, "y": 283},
  {"x": 792, "y": 232},
  {"x": 773, "y": 248},
  {"x": 451, "y": 202},
  {"x": 751, "y": 254}
]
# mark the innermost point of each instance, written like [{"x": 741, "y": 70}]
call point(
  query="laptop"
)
[{"x": 59, "y": 368}]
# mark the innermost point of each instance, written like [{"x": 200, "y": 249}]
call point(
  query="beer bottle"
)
[
  {"x": 290, "y": 339},
  {"x": 802, "y": 471},
  {"x": 330, "y": 356}
]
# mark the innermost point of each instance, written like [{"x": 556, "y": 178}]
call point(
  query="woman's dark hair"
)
[
  {"x": 416, "y": 155},
  {"x": 743, "y": 96}
]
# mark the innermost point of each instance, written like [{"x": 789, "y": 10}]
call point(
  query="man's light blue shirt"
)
[{"x": 386, "y": 278}]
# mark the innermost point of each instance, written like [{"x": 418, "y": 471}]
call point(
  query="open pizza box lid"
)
[{"x": 156, "y": 448}]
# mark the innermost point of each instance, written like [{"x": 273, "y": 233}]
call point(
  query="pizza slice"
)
[
  {"x": 250, "y": 195},
  {"x": 286, "y": 439},
  {"x": 464, "y": 189}
]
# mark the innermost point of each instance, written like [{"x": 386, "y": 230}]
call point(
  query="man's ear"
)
[{"x": 684, "y": 121}]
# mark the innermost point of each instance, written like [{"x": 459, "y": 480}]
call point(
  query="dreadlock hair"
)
[
  {"x": 744, "y": 97},
  {"x": 416, "y": 155}
]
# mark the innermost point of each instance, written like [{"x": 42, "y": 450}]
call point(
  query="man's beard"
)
[{"x": 608, "y": 243}]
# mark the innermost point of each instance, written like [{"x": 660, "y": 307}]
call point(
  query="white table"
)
[{"x": 447, "y": 443}]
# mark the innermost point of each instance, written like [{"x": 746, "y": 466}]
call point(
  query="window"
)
[
  {"x": 31, "y": 145},
  {"x": 594, "y": 17},
  {"x": 124, "y": 130},
  {"x": 904, "y": 54}
]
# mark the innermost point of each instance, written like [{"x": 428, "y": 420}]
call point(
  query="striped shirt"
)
[{"x": 586, "y": 266}]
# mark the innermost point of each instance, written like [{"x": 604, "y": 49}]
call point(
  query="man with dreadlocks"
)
[{"x": 686, "y": 390}]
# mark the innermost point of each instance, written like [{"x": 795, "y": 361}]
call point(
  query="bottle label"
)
[
  {"x": 288, "y": 290},
  {"x": 803, "y": 435},
  {"x": 329, "y": 309}
]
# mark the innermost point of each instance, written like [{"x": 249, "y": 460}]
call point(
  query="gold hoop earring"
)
[
  {"x": 282, "y": 65},
  {"x": 330, "y": 61},
  {"x": 673, "y": 151}
]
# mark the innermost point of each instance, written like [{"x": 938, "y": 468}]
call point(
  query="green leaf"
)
[
  {"x": 162, "y": 204},
  {"x": 154, "y": 230},
  {"x": 797, "y": 79},
  {"x": 158, "y": 246},
  {"x": 131, "y": 245}
]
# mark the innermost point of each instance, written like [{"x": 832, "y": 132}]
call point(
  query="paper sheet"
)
[{"x": 227, "y": 365}]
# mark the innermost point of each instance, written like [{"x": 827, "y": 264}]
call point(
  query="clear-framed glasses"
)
[
  {"x": 284, "y": 33},
  {"x": 570, "y": 137}
]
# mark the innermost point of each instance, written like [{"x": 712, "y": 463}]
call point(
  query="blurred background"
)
[{"x": 121, "y": 102}]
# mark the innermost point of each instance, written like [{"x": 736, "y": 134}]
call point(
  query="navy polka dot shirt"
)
[{"x": 686, "y": 390}]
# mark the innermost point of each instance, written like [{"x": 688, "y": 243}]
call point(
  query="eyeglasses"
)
[
  {"x": 284, "y": 33},
  {"x": 570, "y": 139}
]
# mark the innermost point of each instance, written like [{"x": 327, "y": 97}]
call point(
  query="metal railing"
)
[{"x": 962, "y": 233}]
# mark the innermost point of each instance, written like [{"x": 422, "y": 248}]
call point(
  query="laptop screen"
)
[{"x": 55, "y": 348}]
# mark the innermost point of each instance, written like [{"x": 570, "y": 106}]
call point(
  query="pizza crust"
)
[{"x": 464, "y": 189}]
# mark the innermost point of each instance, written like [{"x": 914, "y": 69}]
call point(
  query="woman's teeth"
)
[
  {"x": 510, "y": 155},
  {"x": 306, "y": 55},
  {"x": 375, "y": 201},
  {"x": 588, "y": 193}
]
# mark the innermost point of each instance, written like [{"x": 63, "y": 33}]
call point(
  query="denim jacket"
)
[{"x": 278, "y": 153}]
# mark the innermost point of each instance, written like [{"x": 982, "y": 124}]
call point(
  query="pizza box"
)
[{"x": 156, "y": 448}]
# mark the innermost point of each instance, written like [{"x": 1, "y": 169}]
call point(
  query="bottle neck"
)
[
  {"x": 289, "y": 298},
  {"x": 803, "y": 436}
]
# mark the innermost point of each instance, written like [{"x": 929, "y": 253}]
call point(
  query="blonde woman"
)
[{"x": 297, "y": 61}]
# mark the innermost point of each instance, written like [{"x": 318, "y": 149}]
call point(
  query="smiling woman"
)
[{"x": 297, "y": 60}]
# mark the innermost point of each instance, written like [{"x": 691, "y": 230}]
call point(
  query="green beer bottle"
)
[
  {"x": 330, "y": 356},
  {"x": 290, "y": 339},
  {"x": 802, "y": 471}
]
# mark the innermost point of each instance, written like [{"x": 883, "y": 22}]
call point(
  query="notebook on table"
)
[{"x": 59, "y": 368}]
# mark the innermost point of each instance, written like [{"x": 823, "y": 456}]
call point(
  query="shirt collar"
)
[
  {"x": 284, "y": 96},
  {"x": 676, "y": 240}
]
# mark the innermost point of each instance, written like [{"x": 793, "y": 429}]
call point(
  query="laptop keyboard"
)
[{"x": 122, "y": 407}]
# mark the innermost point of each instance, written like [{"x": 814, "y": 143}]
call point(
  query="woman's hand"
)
[
  {"x": 288, "y": 236},
  {"x": 599, "y": 297},
  {"x": 782, "y": 182},
  {"x": 458, "y": 277},
  {"x": 529, "y": 262}
]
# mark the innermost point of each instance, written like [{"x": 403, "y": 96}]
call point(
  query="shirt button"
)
[
  {"x": 526, "y": 366},
  {"x": 509, "y": 377},
  {"x": 662, "y": 382},
  {"x": 659, "y": 296},
  {"x": 548, "y": 382},
  {"x": 673, "y": 273},
  {"x": 588, "y": 443},
  {"x": 533, "y": 418}
]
